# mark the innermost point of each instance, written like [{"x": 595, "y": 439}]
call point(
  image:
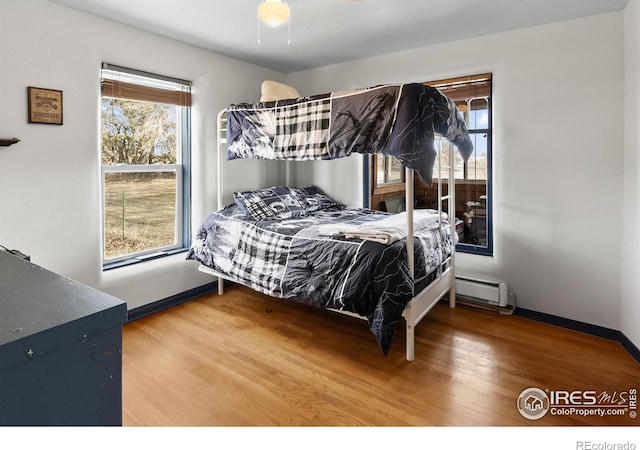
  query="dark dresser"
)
[{"x": 60, "y": 349}]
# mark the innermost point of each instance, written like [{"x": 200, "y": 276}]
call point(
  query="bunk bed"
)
[{"x": 299, "y": 243}]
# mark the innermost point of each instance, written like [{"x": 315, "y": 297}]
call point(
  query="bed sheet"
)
[{"x": 307, "y": 259}]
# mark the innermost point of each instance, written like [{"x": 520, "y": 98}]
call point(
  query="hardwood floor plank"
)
[{"x": 244, "y": 359}]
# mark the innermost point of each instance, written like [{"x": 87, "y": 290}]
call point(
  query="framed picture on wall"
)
[{"x": 45, "y": 105}]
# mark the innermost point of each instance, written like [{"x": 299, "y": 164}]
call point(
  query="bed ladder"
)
[
  {"x": 442, "y": 273},
  {"x": 222, "y": 140}
]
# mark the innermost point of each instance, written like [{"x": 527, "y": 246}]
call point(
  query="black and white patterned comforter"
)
[
  {"x": 306, "y": 259},
  {"x": 399, "y": 120}
]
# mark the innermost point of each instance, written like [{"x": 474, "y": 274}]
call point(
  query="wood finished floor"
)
[{"x": 244, "y": 359}]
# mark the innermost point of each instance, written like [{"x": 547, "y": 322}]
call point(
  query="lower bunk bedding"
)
[{"x": 317, "y": 260}]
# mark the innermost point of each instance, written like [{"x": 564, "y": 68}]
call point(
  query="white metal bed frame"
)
[{"x": 426, "y": 299}]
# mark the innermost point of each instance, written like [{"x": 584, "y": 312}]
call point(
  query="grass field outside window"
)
[{"x": 140, "y": 212}]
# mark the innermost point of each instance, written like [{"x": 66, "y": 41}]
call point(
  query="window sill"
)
[
  {"x": 471, "y": 249},
  {"x": 388, "y": 188},
  {"x": 142, "y": 258}
]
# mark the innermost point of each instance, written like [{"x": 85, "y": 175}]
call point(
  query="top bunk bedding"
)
[{"x": 399, "y": 120}]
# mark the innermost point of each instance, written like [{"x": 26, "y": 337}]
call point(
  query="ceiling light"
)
[{"x": 273, "y": 12}]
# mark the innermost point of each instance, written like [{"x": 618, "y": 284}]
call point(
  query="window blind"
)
[
  {"x": 464, "y": 88},
  {"x": 119, "y": 82}
]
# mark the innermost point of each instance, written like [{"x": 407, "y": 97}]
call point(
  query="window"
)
[
  {"x": 389, "y": 171},
  {"x": 386, "y": 181},
  {"x": 472, "y": 94},
  {"x": 145, "y": 154}
]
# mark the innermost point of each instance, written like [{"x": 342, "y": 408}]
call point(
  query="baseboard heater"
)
[{"x": 491, "y": 293}]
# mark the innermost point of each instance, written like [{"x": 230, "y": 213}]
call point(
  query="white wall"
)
[
  {"x": 631, "y": 213},
  {"x": 558, "y": 155},
  {"x": 49, "y": 182}
]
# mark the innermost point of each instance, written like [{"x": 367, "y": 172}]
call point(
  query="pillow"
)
[
  {"x": 272, "y": 91},
  {"x": 279, "y": 202},
  {"x": 317, "y": 200}
]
